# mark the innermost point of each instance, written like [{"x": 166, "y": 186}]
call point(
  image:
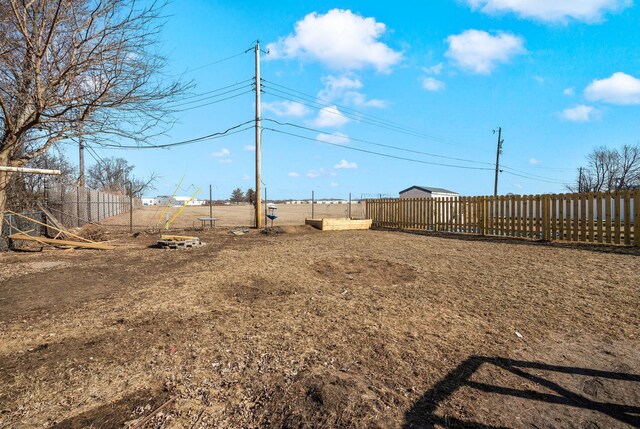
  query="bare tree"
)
[
  {"x": 78, "y": 68},
  {"x": 115, "y": 175},
  {"x": 610, "y": 170}
]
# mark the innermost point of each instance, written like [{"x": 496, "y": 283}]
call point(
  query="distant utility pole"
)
[
  {"x": 259, "y": 219},
  {"x": 580, "y": 181},
  {"x": 81, "y": 162},
  {"x": 498, "y": 152}
]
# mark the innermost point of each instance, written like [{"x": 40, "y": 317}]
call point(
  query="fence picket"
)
[{"x": 616, "y": 211}]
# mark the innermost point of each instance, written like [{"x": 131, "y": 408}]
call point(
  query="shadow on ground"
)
[
  {"x": 593, "y": 247},
  {"x": 423, "y": 413}
]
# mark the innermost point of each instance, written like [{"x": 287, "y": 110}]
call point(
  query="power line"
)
[
  {"x": 188, "y": 97},
  {"x": 380, "y": 144},
  {"x": 212, "y": 102},
  {"x": 358, "y": 118},
  {"x": 212, "y": 136},
  {"x": 532, "y": 178},
  {"x": 358, "y": 114},
  {"x": 213, "y": 63},
  {"x": 379, "y": 153}
]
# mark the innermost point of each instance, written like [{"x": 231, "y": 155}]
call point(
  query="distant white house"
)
[
  {"x": 178, "y": 200},
  {"x": 148, "y": 201},
  {"x": 426, "y": 192}
]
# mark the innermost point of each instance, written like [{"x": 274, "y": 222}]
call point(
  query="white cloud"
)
[
  {"x": 346, "y": 165},
  {"x": 538, "y": 79},
  {"x": 246, "y": 177},
  {"x": 534, "y": 161},
  {"x": 552, "y": 10},
  {"x": 480, "y": 52},
  {"x": 433, "y": 84},
  {"x": 222, "y": 153},
  {"x": 313, "y": 174},
  {"x": 340, "y": 39},
  {"x": 580, "y": 113},
  {"x": 333, "y": 184},
  {"x": 335, "y": 138},
  {"x": 569, "y": 92},
  {"x": 293, "y": 174},
  {"x": 620, "y": 88},
  {"x": 435, "y": 70},
  {"x": 286, "y": 108},
  {"x": 336, "y": 86},
  {"x": 225, "y": 161},
  {"x": 345, "y": 87},
  {"x": 358, "y": 99},
  {"x": 330, "y": 117},
  {"x": 249, "y": 148}
]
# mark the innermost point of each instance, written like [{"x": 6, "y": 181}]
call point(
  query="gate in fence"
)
[{"x": 602, "y": 217}]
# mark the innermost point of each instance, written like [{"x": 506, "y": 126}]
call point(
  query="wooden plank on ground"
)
[
  {"x": 65, "y": 243},
  {"x": 49, "y": 226}
]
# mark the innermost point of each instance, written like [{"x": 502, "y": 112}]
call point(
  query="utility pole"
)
[
  {"x": 81, "y": 167},
  {"x": 498, "y": 152},
  {"x": 580, "y": 181},
  {"x": 259, "y": 217}
]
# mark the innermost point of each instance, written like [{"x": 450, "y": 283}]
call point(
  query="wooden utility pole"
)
[
  {"x": 259, "y": 217},
  {"x": 498, "y": 152},
  {"x": 81, "y": 162},
  {"x": 580, "y": 181}
]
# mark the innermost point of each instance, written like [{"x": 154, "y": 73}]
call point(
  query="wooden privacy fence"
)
[{"x": 602, "y": 217}]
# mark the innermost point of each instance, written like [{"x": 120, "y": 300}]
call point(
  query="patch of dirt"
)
[
  {"x": 353, "y": 329},
  {"x": 366, "y": 270}
]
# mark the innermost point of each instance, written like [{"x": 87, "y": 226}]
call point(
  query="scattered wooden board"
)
[{"x": 62, "y": 243}]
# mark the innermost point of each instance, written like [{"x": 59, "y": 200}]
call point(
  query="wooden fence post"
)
[{"x": 636, "y": 217}]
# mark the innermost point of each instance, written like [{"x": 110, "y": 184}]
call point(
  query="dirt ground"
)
[{"x": 300, "y": 328}]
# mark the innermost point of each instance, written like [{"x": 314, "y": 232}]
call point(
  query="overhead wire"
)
[
  {"x": 211, "y": 102},
  {"x": 310, "y": 101},
  {"x": 211, "y": 92},
  {"x": 378, "y": 144},
  {"x": 356, "y": 114},
  {"x": 358, "y": 118},
  {"x": 377, "y": 153},
  {"x": 229, "y": 131},
  {"x": 212, "y": 63}
]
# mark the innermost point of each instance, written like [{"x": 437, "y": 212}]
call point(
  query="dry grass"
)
[
  {"x": 310, "y": 329},
  {"x": 233, "y": 215}
]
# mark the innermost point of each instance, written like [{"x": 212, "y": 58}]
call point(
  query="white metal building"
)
[{"x": 426, "y": 192}]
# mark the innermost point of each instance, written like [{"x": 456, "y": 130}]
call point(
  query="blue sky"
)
[{"x": 559, "y": 77}]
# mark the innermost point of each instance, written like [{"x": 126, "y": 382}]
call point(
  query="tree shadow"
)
[{"x": 423, "y": 413}]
